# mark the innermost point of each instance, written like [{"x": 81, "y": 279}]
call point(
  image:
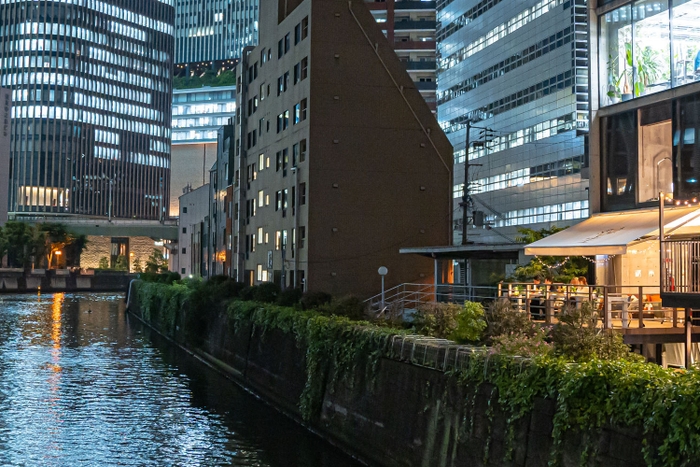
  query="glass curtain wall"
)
[
  {"x": 650, "y": 150},
  {"x": 648, "y": 46}
]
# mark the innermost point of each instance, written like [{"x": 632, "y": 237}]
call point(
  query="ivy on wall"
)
[{"x": 664, "y": 404}]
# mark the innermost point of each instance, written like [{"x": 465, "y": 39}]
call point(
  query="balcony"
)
[
  {"x": 426, "y": 85},
  {"x": 414, "y": 25},
  {"x": 409, "y": 5},
  {"x": 400, "y": 44},
  {"x": 415, "y": 65},
  {"x": 680, "y": 274}
]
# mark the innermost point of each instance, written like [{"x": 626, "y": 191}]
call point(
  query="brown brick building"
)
[{"x": 338, "y": 162}]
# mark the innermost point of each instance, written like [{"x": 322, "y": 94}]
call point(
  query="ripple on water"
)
[{"x": 79, "y": 388}]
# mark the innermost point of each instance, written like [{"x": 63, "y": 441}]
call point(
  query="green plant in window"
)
[
  {"x": 648, "y": 69},
  {"x": 614, "y": 79}
]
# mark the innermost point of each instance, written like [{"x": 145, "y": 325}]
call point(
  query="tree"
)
[
  {"x": 73, "y": 251},
  {"x": 122, "y": 264},
  {"x": 136, "y": 265},
  {"x": 20, "y": 243},
  {"x": 557, "y": 268},
  {"x": 52, "y": 238},
  {"x": 104, "y": 263},
  {"x": 3, "y": 245},
  {"x": 156, "y": 262}
]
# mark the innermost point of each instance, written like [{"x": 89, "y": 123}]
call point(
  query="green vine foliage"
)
[
  {"x": 589, "y": 395},
  {"x": 334, "y": 345},
  {"x": 594, "y": 394}
]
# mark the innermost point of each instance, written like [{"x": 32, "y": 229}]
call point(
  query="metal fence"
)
[
  {"x": 621, "y": 307},
  {"x": 681, "y": 266},
  {"x": 410, "y": 296}
]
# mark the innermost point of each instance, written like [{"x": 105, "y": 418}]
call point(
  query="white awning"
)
[{"x": 610, "y": 233}]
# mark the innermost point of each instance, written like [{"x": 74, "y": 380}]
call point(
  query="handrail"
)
[{"x": 618, "y": 306}]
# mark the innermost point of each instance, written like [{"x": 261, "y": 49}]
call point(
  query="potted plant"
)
[
  {"x": 647, "y": 69},
  {"x": 614, "y": 80},
  {"x": 626, "y": 88}
]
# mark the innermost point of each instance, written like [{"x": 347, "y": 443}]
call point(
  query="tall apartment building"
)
[
  {"x": 410, "y": 25},
  {"x": 91, "y": 92},
  {"x": 520, "y": 70},
  {"x": 338, "y": 160},
  {"x": 198, "y": 113}
]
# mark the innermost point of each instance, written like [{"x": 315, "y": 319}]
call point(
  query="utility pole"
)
[{"x": 465, "y": 190}]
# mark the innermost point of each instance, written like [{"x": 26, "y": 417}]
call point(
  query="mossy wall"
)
[{"x": 388, "y": 411}]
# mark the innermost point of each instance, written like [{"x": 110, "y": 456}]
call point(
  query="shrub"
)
[
  {"x": 503, "y": 319},
  {"x": 436, "y": 319},
  {"x": 267, "y": 292},
  {"x": 136, "y": 265},
  {"x": 166, "y": 278},
  {"x": 470, "y": 323},
  {"x": 289, "y": 297},
  {"x": 122, "y": 264},
  {"x": 523, "y": 344},
  {"x": 218, "y": 279},
  {"x": 229, "y": 288},
  {"x": 577, "y": 337},
  {"x": 104, "y": 263},
  {"x": 313, "y": 300},
  {"x": 247, "y": 293},
  {"x": 350, "y": 307}
]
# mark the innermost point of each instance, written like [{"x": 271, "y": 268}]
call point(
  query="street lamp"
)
[
  {"x": 382, "y": 272},
  {"x": 58, "y": 257}
]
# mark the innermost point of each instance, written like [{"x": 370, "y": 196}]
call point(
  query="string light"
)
[
  {"x": 552, "y": 266},
  {"x": 603, "y": 261}
]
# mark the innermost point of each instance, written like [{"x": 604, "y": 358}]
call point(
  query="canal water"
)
[{"x": 82, "y": 383}]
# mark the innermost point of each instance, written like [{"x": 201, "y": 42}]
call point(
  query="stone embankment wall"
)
[
  {"x": 62, "y": 280},
  {"x": 401, "y": 413}
]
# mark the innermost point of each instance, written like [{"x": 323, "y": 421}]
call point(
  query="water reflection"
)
[{"x": 82, "y": 385}]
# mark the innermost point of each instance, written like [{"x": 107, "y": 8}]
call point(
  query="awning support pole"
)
[
  {"x": 662, "y": 266},
  {"x": 688, "y": 335}
]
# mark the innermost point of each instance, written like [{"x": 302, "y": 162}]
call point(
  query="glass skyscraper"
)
[
  {"x": 518, "y": 72},
  {"x": 210, "y": 30},
  {"x": 91, "y": 115}
]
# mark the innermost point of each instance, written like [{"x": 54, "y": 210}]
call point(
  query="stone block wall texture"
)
[
  {"x": 63, "y": 281},
  {"x": 100, "y": 246},
  {"x": 402, "y": 415}
]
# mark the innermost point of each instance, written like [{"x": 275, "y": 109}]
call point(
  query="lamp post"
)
[
  {"x": 58, "y": 258},
  {"x": 382, "y": 272}
]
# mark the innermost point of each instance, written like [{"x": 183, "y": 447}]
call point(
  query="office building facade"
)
[
  {"x": 518, "y": 73},
  {"x": 198, "y": 113},
  {"x": 91, "y": 92},
  {"x": 338, "y": 160},
  {"x": 5, "y": 131},
  {"x": 209, "y": 30},
  {"x": 410, "y": 26},
  {"x": 645, "y": 135}
]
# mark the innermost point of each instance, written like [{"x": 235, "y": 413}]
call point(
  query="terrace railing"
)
[
  {"x": 680, "y": 271},
  {"x": 618, "y": 307}
]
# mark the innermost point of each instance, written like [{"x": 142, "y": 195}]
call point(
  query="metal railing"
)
[
  {"x": 410, "y": 296},
  {"x": 680, "y": 271},
  {"x": 618, "y": 307}
]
